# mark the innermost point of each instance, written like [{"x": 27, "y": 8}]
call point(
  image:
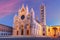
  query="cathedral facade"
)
[{"x": 26, "y": 24}]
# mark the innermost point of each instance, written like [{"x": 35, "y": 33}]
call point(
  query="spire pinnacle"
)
[
  {"x": 22, "y": 5},
  {"x": 32, "y": 10},
  {"x": 42, "y": 2},
  {"x": 27, "y": 9},
  {"x": 26, "y": 6}
]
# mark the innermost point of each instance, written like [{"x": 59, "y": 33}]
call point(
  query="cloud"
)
[{"x": 6, "y": 7}]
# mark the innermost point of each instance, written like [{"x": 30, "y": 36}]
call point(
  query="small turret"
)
[
  {"x": 22, "y": 5},
  {"x": 27, "y": 9},
  {"x": 32, "y": 13},
  {"x": 15, "y": 17}
]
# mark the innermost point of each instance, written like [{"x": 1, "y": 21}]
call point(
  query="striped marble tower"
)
[{"x": 43, "y": 18}]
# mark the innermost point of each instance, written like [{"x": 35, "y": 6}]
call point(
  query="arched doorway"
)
[
  {"x": 17, "y": 32},
  {"x": 27, "y": 32},
  {"x": 22, "y": 32}
]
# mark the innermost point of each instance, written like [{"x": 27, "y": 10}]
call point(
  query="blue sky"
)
[{"x": 8, "y": 8}]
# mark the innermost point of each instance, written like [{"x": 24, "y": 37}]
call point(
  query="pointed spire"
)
[
  {"x": 22, "y": 5},
  {"x": 27, "y": 9},
  {"x": 42, "y": 3},
  {"x": 32, "y": 12}
]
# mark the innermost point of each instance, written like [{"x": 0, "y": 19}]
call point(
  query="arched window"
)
[{"x": 48, "y": 30}]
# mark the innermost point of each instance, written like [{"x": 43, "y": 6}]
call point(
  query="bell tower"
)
[{"x": 43, "y": 18}]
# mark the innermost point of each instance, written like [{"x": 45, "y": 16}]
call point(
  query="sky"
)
[{"x": 9, "y": 8}]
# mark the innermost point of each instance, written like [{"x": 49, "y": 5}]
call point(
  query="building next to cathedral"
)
[{"x": 53, "y": 31}]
